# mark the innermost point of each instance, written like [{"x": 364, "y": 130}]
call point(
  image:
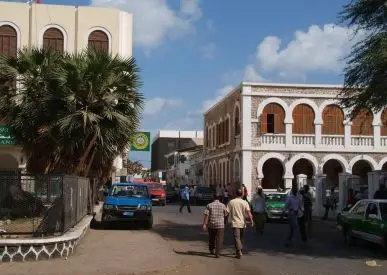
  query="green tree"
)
[
  {"x": 70, "y": 113},
  {"x": 365, "y": 74},
  {"x": 134, "y": 167}
]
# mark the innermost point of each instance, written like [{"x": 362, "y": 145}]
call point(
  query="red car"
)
[{"x": 158, "y": 193}]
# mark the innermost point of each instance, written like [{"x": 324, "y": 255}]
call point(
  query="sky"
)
[{"x": 193, "y": 52}]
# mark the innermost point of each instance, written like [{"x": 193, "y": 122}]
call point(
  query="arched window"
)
[
  {"x": 98, "y": 40},
  {"x": 53, "y": 39},
  {"x": 214, "y": 133},
  {"x": 303, "y": 119},
  {"x": 237, "y": 125},
  {"x": 383, "y": 129},
  {"x": 227, "y": 130},
  {"x": 362, "y": 123},
  {"x": 8, "y": 41},
  {"x": 333, "y": 120},
  {"x": 272, "y": 119}
]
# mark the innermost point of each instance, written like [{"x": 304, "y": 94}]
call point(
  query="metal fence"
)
[{"x": 41, "y": 205}]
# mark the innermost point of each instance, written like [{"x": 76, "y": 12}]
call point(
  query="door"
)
[
  {"x": 356, "y": 219},
  {"x": 373, "y": 225}
]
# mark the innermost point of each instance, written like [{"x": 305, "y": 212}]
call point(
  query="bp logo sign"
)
[{"x": 141, "y": 142}]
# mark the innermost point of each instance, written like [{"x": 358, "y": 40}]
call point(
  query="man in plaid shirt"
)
[{"x": 214, "y": 220}]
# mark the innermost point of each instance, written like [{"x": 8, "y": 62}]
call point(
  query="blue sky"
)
[{"x": 191, "y": 52}]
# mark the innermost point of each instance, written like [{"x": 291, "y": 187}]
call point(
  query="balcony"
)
[
  {"x": 238, "y": 141},
  {"x": 362, "y": 141},
  {"x": 332, "y": 141},
  {"x": 304, "y": 140},
  {"x": 269, "y": 139}
]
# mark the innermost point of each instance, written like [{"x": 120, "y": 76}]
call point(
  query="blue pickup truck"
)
[{"x": 128, "y": 202}]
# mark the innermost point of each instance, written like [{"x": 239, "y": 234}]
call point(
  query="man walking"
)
[
  {"x": 258, "y": 205},
  {"x": 185, "y": 199},
  {"x": 294, "y": 208},
  {"x": 238, "y": 210},
  {"x": 214, "y": 219}
]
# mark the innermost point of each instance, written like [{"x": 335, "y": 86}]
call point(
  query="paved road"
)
[{"x": 177, "y": 245}]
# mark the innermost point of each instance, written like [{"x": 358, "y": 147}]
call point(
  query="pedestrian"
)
[
  {"x": 238, "y": 209},
  {"x": 245, "y": 193},
  {"x": 225, "y": 195},
  {"x": 185, "y": 199},
  {"x": 294, "y": 208},
  {"x": 213, "y": 223},
  {"x": 259, "y": 205},
  {"x": 307, "y": 199},
  {"x": 330, "y": 202}
]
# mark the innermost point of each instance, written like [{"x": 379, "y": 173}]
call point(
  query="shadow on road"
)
[
  {"x": 97, "y": 225},
  {"x": 203, "y": 254},
  {"x": 326, "y": 241}
]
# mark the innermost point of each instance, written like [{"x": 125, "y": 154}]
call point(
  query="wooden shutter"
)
[
  {"x": 8, "y": 41},
  {"x": 99, "y": 40},
  {"x": 383, "y": 128},
  {"x": 333, "y": 120},
  {"x": 303, "y": 119},
  {"x": 53, "y": 39},
  {"x": 279, "y": 118},
  {"x": 362, "y": 123}
]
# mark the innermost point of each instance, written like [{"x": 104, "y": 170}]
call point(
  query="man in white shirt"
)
[
  {"x": 239, "y": 209},
  {"x": 259, "y": 206},
  {"x": 294, "y": 208}
]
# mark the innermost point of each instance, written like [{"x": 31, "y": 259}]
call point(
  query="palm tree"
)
[{"x": 70, "y": 113}]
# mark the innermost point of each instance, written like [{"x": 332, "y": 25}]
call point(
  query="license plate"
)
[
  {"x": 155, "y": 199},
  {"x": 129, "y": 214}
]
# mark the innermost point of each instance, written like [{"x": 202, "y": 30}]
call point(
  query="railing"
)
[
  {"x": 303, "y": 139},
  {"x": 238, "y": 141},
  {"x": 42, "y": 205},
  {"x": 273, "y": 139},
  {"x": 331, "y": 140},
  {"x": 362, "y": 141},
  {"x": 383, "y": 141}
]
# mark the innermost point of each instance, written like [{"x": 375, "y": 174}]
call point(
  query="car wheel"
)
[
  {"x": 348, "y": 235},
  {"x": 149, "y": 224}
]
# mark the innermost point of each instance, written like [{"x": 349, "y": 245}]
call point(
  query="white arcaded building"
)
[{"x": 272, "y": 134}]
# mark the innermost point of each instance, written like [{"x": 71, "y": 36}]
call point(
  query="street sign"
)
[
  {"x": 5, "y": 136},
  {"x": 141, "y": 142}
]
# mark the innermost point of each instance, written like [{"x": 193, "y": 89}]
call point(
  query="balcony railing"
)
[
  {"x": 273, "y": 139},
  {"x": 238, "y": 141},
  {"x": 362, "y": 141},
  {"x": 304, "y": 139},
  {"x": 332, "y": 140},
  {"x": 383, "y": 141}
]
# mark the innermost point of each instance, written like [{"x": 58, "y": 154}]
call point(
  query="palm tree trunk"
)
[
  {"x": 91, "y": 160},
  {"x": 82, "y": 160}
]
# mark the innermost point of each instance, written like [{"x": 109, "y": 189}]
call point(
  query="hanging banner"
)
[
  {"x": 141, "y": 142},
  {"x": 5, "y": 137}
]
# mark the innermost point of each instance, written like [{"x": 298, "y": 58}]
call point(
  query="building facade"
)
[
  {"x": 166, "y": 142},
  {"x": 269, "y": 134},
  {"x": 64, "y": 29},
  {"x": 185, "y": 167}
]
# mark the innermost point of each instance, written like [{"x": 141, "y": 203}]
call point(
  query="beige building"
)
[
  {"x": 275, "y": 135},
  {"x": 65, "y": 29}
]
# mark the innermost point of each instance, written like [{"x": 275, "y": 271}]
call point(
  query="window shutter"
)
[{"x": 264, "y": 123}]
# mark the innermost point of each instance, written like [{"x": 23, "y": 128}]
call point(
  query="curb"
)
[{"x": 13, "y": 250}]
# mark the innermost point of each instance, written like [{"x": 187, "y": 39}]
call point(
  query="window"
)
[
  {"x": 53, "y": 39},
  {"x": 383, "y": 129},
  {"x": 8, "y": 41},
  {"x": 98, "y": 40},
  {"x": 270, "y": 123},
  {"x": 372, "y": 209},
  {"x": 228, "y": 130},
  {"x": 237, "y": 121},
  {"x": 359, "y": 209},
  {"x": 303, "y": 119},
  {"x": 272, "y": 119},
  {"x": 333, "y": 120},
  {"x": 362, "y": 123}
]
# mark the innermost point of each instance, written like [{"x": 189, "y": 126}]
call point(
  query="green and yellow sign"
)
[{"x": 141, "y": 142}]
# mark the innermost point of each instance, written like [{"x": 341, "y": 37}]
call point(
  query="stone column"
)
[
  {"x": 288, "y": 134},
  {"x": 318, "y": 128},
  {"x": 320, "y": 195},
  {"x": 288, "y": 181},
  {"x": 343, "y": 190},
  {"x": 347, "y": 135},
  {"x": 377, "y": 140},
  {"x": 375, "y": 178}
]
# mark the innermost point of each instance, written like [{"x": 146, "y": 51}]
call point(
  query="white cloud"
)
[
  {"x": 155, "y": 21},
  {"x": 155, "y": 105},
  {"x": 251, "y": 74},
  {"x": 208, "y": 51},
  {"x": 319, "y": 49},
  {"x": 210, "y": 25}
]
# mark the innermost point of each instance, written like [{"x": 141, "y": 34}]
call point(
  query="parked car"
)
[
  {"x": 366, "y": 220},
  {"x": 171, "y": 193},
  {"x": 128, "y": 202},
  {"x": 158, "y": 193},
  {"x": 275, "y": 206},
  {"x": 202, "y": 195}
]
